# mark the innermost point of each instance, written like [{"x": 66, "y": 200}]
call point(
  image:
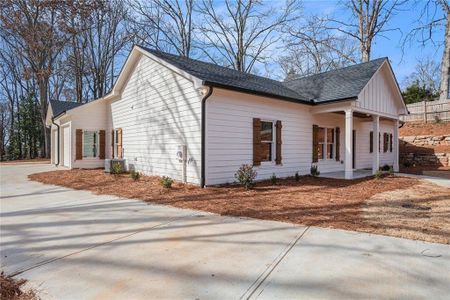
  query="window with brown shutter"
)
[
  {"x": 102, "y": 142},
  {"x": 256, "y": 141},
  {"x": 315, "y": 140},
  {"x": 79, "y": 144},
  {"x": 338, "y": 143},
  {"x": 278, "y": 142},
  {"x": 371, "y": 142}
]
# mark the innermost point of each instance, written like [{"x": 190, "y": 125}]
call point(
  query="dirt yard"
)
[
  {"x": 396, "y": 206},
  {"x": 11, "y": 289},
  {"x": 410, "y": 129}
]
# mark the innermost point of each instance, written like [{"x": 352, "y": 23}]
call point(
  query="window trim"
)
[
  {"x": 97, "y": 143},
  {"x": 325, "y": 144},
  {"x": 116, "y": 143},
  {"x": 273, "y": 143}
]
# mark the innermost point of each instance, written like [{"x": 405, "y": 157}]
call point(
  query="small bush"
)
[
  {"x": 385, "y": 168},
  {"x": 391, "y": 171},
  {"x": 378, "y": 174},
  {"x": 166, "y": 182},
  {"x": 116, "y": 169},
  {"x": 245, "y": 176},
  {"x": 135, "y": 175},
  {"x": 406, "y": 163},
  {"x": 273, "y": 179},
  {"x": 297, "y": 177},
  {"x": 314, "y": 170}
]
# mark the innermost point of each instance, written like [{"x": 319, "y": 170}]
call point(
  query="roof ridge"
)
[{"x": 338, "y": 69}]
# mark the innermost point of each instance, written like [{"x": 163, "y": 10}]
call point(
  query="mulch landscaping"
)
[
  {"x": 11, "y": 289},
  {"x": 337, "y": 203},
  {"x": 420, "y": 128}
]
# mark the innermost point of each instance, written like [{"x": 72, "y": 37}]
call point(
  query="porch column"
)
[
  {"x": 375, "y": 147},
  {"x": 348, "y": 167},
  {"x": 395, "y": 146}
]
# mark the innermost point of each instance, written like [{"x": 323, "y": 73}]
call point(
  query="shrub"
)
[
  {"x": 378, "y": 174},
  {"x": 314, "y": 170},
  {"x": 135, "y": 175},
  {"x": 245, "y": 176},
  {"x": 273, "y": 179},
  {"x": 166, "y": 182},
  {"x": 297, "y": 177},
  {"x": 385, "y": 168},
  {"x": 116, "y": 169},
  {"x": 391, "y": 171}
]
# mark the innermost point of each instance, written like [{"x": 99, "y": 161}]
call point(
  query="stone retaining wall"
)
[{"x": 425, "y": 150}]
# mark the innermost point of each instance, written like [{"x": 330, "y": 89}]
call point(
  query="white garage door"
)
[{"x": 66, "y": 146}]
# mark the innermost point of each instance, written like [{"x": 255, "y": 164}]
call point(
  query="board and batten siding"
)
[
  {"x": 158, "y": 111},
  {"x": 378, "y": 95},
  {"x": 229, "y": 143}
]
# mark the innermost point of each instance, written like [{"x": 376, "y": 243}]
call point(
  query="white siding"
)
[
  {"x": 229, "y": 135},
  {"x": 158, "y": 111},
  {"x": 379, "y": 94}
]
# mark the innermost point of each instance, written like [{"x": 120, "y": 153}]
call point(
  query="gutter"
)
[
  {"x": 53, "y": 122},
  {"x": 203, "y": 171}
]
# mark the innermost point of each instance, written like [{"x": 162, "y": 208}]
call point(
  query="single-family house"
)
[{"x": 199, "y": 122}]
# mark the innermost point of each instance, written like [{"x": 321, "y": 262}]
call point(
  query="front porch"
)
[{"x": 370, "y": 140}]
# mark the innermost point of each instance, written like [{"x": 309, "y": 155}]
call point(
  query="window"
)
[
  {"x": 90, "y": 140},
  {"x": 326, "y": 148},
  {"x": 266, "y": 140}
]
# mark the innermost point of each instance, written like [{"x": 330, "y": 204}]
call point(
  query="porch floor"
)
[{"x": 341, "y": 174}]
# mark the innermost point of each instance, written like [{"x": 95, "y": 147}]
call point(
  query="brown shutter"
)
[
  {"x": 379, "y": 141},
  {"x": 371, "y": 141},
  {"x": 102, "y": 140},
  {"x": 112, "y": 143},
  {"x": 119, "y": 143},
  {"x": 79, "y": 144},
  {"x": 256, "y": 141},
  {"x": 338, "y": 143},
  {"x": 385, "y": 142},
  {"x": 278, "y": 145},
  {"x": 315, "y": 153},
  {"x": 390, "y": 142}
]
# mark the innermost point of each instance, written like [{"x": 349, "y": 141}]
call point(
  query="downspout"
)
[
  {"x": 57, "y": 155},
  {"x": 203, "y": 176}
]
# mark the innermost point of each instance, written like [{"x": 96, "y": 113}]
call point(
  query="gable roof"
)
[
  {"x": 215, "y": 75},
  {"x": 340, "y": 84},
  {"x": 343, "y": 83},
  {"x": 60, "y": 107}
]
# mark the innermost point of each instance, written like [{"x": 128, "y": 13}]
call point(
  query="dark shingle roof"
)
[
  {"x": 59, "y": 107},
  {"x": 337, "y": 84},
  {"x": 213, "y": 74}
]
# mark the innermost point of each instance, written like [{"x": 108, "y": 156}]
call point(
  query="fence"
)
[{"x": 428, "y": 111}]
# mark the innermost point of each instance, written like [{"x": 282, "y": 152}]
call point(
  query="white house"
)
[{"x": 163, "y": 105}]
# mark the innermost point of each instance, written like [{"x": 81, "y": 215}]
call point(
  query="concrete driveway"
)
[{"x": 76, "y": 245}]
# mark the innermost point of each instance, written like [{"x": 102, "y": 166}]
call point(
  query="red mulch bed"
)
[
  {"x": 311, "y": 201},
  {"x": 410, "y": 129}
]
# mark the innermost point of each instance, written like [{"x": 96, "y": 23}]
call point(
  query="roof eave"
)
[{"x": 247, "y": 91}]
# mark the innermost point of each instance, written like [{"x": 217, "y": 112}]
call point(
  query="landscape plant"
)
[
  {"x": 297, "y": 176},
  {"x": 166, "y": 182},
  {"x": 273, "y": 179},
  {"x": 245, "y": 176},
  {"x": 314, "y": 170},
  {"x": 116, "y": 169},
  {"x": 378, "y": 174},
  {"x": 135, "y": 175}
]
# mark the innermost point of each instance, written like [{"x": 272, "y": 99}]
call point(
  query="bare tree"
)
[
  {"x": 435, "y": 15},
  {"x": 239, "y": 33},
  {"x": 165, "y": 24},
  {"x": 312, "y": 48},
  {"x": 426, "y": 74},
  {"x": 369, "y": 19}
]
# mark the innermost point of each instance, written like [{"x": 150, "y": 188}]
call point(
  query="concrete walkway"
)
[{"x": 76, "y": 245}]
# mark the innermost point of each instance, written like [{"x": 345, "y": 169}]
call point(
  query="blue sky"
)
[{"x": 404, "y": 20}]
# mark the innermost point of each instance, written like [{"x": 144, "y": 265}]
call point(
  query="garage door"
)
[{"x": 66, "y": 146}]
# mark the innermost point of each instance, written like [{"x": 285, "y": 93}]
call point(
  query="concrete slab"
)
[
  {"x": 436, "y": 180},
  {"x": 73, "y": 244},
  {"x": 338, "y": 264}
]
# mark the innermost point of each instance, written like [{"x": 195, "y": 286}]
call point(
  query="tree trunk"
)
[
  {"x": 445, "y": 64},
  {"x": 43, "y": 89}
]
